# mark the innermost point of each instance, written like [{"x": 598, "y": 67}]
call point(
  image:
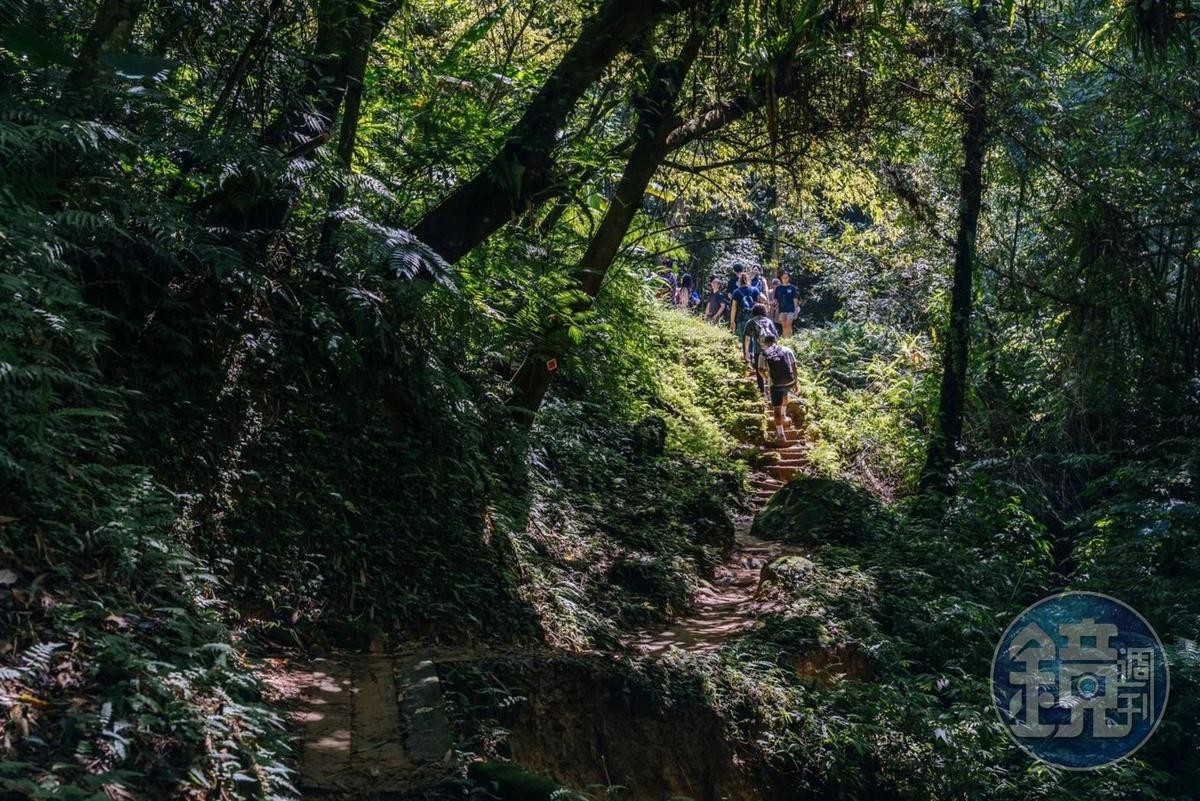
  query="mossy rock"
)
[
  {"x": 797, "y": 412},
  {"x": 511, "y": 783},
  {"x": 645, "y": 577},
  {"x": 712, "y": 524},
  {"x": 750, "y": 428},
  {"x": 819, "y": 511}
]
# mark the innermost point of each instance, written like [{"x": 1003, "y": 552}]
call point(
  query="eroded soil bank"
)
[{"x": 591, "y": 722}]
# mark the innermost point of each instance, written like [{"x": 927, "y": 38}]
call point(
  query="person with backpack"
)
[
  {"x": 735, "y": 273},
  {"x": 758, "y": 328},
  {"x": 667, "y": 274},
  {"x": 741, "y": 304},
  {"x": 758, "y": 281},
  {"x": 786, "y": 299},
  {"x": 777, "y": 364}
]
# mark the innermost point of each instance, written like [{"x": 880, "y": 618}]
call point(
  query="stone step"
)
[
  {"x": 785, "y": 473},
  {"x": 791, "y": 439},
  {"x": 424, "y": 711},
  {"x": 350, "y": 726}
]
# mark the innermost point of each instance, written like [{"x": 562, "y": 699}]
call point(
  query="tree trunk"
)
[
  {"x": 310, "y": 113},
  {"x": 521, "y": 175},
  {"x": 946, "y": 442},
  {"x": 234, "y": 79},
  {"x": 656, "y": 120},
  {"x": 355, "y": 69},
  {"x": 304, "y": 125},
  {"x": 660, "y": 133},
  {"x": 114, "y": 22}
]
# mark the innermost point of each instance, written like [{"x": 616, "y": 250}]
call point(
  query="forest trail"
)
[
  {"x": 369, "y": 722},
  {"x": 364, "y": 722},
  {"x": 732, "y": 602}
]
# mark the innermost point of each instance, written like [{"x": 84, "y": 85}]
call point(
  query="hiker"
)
[
  {"x": 741, "y": 303},
  {"x": 667, "y": 274},
  {"x": 683, "y": 295},
  {"x": 754, "y": 338},
  {"x": 777, "y": 363},
  {"x": 731, "y": 281},
  {"x": 786, "y": 299},
  {"x": 718, "y": 301},
  {"x": 758, "y": 281}
]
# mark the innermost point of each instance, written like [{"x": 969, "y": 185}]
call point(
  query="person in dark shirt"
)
[
  {"x": 667, "y": 274},
  {"x": 718, "y": 301},
  {"x": 741, "y": 303},
  {"x": 758, "y": 281},
  {"x": 777, "y": 364},
  {"x": 757, "y": 329},
  {"x": 787, "y": 303},
  {"x": 731, "y": 283}
]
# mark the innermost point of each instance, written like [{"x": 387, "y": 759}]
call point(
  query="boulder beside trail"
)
[
  {"x": 750, "y": 428},
  {"x": 817, "y": 511}
]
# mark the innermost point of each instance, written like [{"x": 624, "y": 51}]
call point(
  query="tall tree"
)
[
  {"x": 946, "y": 442},
  {"x": 660, "y": 132},
  {"x": 522, "y": 173},
  {"x": 345, "y": 32},
  {"x": 354, "y": 67},
  {"x": 656, "y": 119}
]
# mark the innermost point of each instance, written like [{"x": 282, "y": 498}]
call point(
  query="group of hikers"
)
[{"x": 759, "y": 314}]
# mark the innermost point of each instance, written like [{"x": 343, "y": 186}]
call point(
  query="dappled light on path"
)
[
  {"x": 728, "y": 605},
  {"x": 733, "y": 601}
]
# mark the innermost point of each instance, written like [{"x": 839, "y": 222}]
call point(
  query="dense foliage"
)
[{"x": 337, "y": 324}]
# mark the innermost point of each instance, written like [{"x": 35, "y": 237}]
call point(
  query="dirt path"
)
[
  {"x": 377, "y": 721},
  {"x": 728, "y": 605},
  {"x": 364, "y": 722},
  {"x": 731, "y": 602}
]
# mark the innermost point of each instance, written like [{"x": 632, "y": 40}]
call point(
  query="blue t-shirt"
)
[
  {"x": 745, "y": 297},
  {"x": 785, "y": 296}
]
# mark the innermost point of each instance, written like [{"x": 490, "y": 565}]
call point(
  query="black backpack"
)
[
  {"x": 759, "y": 327},
  {"x": 779, "y": 366}
]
